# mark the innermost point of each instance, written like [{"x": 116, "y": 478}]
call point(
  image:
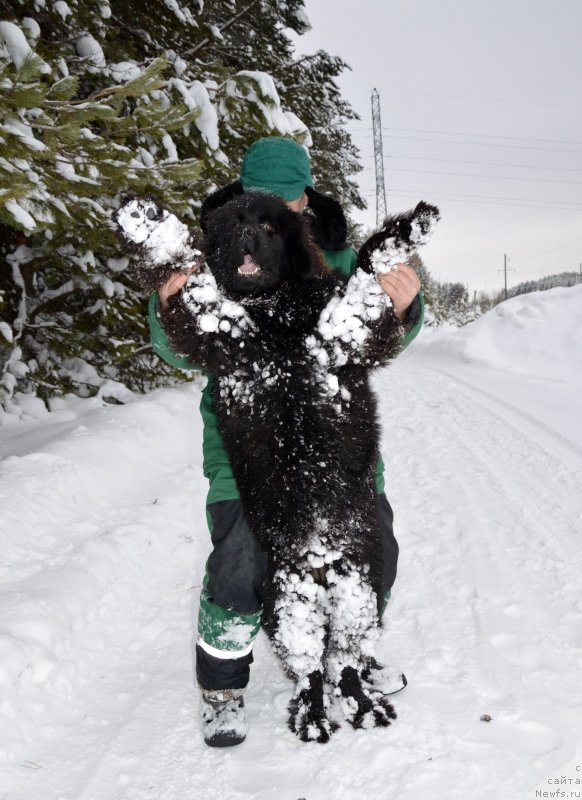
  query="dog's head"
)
[{"x": 255, "y": 242}]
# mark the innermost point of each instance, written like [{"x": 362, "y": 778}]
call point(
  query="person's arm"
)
[
  {"x": 195, "y": 338},
  {"x": 159, "y": 338}
]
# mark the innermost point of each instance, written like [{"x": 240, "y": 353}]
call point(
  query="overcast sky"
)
[{"x": 481, "y": 115}]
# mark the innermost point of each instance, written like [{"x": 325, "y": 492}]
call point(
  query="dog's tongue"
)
[{"x": 248, "y": 265}]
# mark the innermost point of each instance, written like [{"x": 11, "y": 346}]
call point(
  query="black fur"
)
[
  {"x": 298, "y": 420},
  {"x": 325, "y": 217},
  {"x": 216, "y": 200},
  {"x": 327, "y": 221}
]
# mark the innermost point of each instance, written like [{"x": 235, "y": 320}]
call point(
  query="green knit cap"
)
[{"x": 278, "y": 166}]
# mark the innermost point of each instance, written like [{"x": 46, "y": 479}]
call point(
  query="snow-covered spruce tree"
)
[
  {"x": 89, "y": 114},
  {"x": 256, "y": 39}
]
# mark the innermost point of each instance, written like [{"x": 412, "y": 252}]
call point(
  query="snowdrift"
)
[{"x": 525, "y": 353}]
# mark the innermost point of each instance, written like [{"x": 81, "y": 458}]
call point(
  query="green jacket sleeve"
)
[
  {"x": 159, "y": 337},
  {"x": 414, "y": 320}
]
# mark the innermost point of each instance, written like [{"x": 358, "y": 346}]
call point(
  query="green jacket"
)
[{"x": 216, "y": 464}]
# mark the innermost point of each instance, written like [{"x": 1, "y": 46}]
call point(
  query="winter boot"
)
[
  {"x": 384, "y": 679},
  {"x": 222, "y": 715}
]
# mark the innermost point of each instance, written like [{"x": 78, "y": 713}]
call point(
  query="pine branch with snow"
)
[{"x": 97, "y": 103}]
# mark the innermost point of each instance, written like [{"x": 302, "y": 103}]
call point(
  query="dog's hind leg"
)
[
  {"x": 353, "y": 630},
  {"x": 299, "y": 632}
]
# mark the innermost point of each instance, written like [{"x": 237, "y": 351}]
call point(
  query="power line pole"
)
[
  {"x": 379, "y": 160},
  {"x": 505, "y": 260}
]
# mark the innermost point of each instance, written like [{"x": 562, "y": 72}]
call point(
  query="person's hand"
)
[
  {"x": 401, "y": 285},
  {"x": 173, "y": 285}
]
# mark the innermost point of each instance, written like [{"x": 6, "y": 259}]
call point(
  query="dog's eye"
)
[{"x": 267, "y": 227}]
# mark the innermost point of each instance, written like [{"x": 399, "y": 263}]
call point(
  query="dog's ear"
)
[
  {"x": 303, "y": 256},
  {"x": 327, "y": 221},
  {"x": 216, "y": 200}
]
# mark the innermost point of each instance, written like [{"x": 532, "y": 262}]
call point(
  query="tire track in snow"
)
[
  {"x": 538, "y": 431},
  {"x": 504, "y": 578}
]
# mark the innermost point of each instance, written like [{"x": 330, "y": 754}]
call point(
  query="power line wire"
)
[
  {"x": 558, "y": 203},
  {"x": 482, "y": 200},
  {"x": 480, "y": 163},
  {"x": 555, "y": 264},
  {"x": 552, "y": 249},
  {"x": 479, "y": 144},
  {"x": 474, "y": 135},
  {"x": 472, "y": 98},
  {"x": 484, "y": 136},
  {"x": 490, "y": 177}
]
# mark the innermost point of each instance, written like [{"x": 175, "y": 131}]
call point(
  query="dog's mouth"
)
[{"x": 248, "y": 268}]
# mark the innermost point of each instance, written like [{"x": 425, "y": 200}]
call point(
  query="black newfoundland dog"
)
[{"x": 291, "y": 344}]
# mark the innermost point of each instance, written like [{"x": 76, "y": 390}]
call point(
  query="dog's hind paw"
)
[
  {"x": 382, "y": 710},
  {"x": 361, "y": 707},
  {"x": 307, "y": 715},
  {"x": 310, "y": 725}
]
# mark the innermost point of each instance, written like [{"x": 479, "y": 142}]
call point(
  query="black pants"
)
[{"x": 236, "y": 571}]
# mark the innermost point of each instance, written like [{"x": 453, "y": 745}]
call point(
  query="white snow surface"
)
[
  {"x": 197, "y": 98},
  {"x": 102, "y": 549},
  {"x": 125, "y": 71},
  {"x": 62, "y": 9},
  {"x": 89, "y": 48},
  {"x": 15, "y": 42}
]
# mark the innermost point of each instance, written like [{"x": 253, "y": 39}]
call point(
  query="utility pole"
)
[
  {"x": 379, "y": 160},
  {"x": 505, "y": 260}
]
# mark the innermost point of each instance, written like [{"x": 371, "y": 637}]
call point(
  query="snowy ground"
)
[{"x": 102, "y": 550}]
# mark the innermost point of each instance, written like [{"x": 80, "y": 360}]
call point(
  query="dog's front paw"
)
[
  {"x": 307, "y": 711},
  {"x": 136, "y": 220},
  {"x": 165, "y": 243},
  {"x": 398, "y": 238},
  {"x": 160, "y": 236},
  {"x": 422, "y": 224}
]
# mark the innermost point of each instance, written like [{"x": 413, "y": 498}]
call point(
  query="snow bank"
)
[
  {"x": 537, "y": 334},
  {"x": 525, "y": 353}
]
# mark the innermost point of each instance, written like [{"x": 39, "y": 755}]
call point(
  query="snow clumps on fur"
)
[
  {"x": 342, "y": 329},
  {"x": 211, "y": 310}
]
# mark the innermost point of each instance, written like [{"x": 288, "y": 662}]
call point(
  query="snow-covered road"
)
[{"x": 102, "y": 550}]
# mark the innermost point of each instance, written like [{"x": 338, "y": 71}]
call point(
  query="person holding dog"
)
[{"x": 231, "y": 599}]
